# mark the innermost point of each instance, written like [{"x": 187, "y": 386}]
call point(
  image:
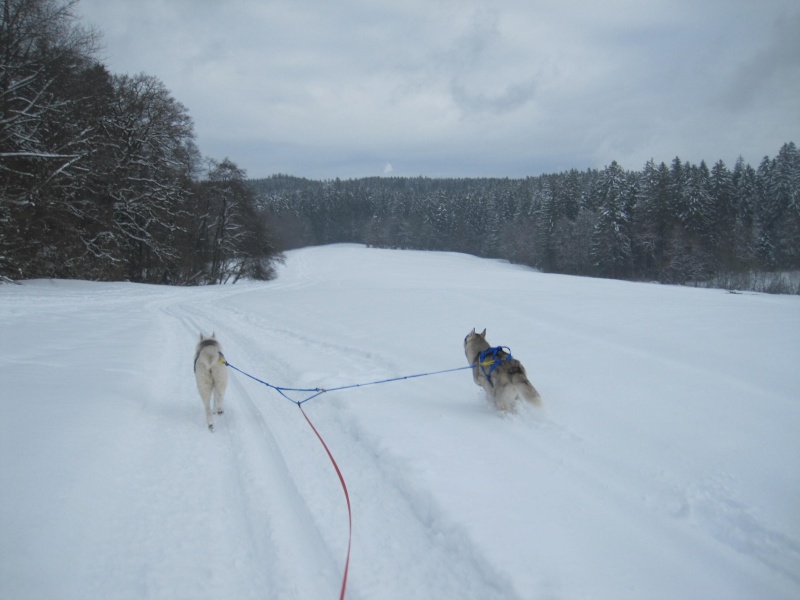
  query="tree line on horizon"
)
[
  {"x": 100, "y": 175},
  {"x": 674, "y": 223}
]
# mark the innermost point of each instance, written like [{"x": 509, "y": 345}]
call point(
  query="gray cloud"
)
[
  {"x": 509, "y": 99},
  {"x": 773, "y": 70},
  {"x": 467, "y": 87}
]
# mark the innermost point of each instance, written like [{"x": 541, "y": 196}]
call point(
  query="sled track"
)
[
  {"x": 402, "y": 541},
  {"x": 280, "y": 528},
  {"x": 662, "y": 448}
]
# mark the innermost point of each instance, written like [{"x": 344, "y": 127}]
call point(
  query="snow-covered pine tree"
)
[{"x": 611, "y": 242}]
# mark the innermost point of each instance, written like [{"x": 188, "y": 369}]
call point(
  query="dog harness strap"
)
[{"x": 491, "y": 358}]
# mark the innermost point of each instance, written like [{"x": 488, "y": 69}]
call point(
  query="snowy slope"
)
[{"x": 664, "y": 465}]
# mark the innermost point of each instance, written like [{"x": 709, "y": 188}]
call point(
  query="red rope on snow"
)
[{"x": 347, "y": 497}]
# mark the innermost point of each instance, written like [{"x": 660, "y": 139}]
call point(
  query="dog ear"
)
[
  {"x": 483, "y": 335},
  {"x": 213, "y": 335},
  {"x": 472, "y": 332},
  {"x": 201, "y": 336}
]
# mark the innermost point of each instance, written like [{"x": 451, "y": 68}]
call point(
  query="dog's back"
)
[{"x": 208, "y": 353}]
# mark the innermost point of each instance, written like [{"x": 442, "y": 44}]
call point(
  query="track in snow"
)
[
  {"x": 403, "y": 546},
  {"x": 661, "y": 467}
]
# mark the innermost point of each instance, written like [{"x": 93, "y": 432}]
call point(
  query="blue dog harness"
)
[{"x": 491, "y": 358}]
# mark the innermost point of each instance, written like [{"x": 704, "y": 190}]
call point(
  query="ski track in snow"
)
[
  {"x": 449, "y": 499},
  {"x": 432, "y": 558}
]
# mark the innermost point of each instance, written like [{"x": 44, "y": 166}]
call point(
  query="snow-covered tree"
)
[
  {"x": 45, "y": 139},
  {"x": 231, "y": 232},
  {"x": 783, "y": 197},
  {"x": 611, "y": 241},
  {"x": 656, "y": 219},
  {"x": 150, "y": 161}
]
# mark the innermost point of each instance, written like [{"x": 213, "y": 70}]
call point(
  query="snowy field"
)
[{"x": 665, "y": 464}]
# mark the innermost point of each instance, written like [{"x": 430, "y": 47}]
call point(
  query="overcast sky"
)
[{"x": 467, "y": 88}]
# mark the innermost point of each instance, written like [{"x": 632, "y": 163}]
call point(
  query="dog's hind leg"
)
[
  {"x": 219, "y": 400},
  {"x": 206, "y": 397},
  {"x": 505, "y": 399}
]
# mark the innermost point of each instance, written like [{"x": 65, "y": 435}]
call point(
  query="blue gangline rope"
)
[{"x": 316, "y": 392}]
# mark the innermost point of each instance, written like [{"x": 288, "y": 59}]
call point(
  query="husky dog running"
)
[
  {"x": 501, "y": 376},
  {"x": 211, "y": 374}
]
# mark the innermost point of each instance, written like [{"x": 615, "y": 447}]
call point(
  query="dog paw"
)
[
  {"x": 211, "y": 427},
  {"x": 219, "y": 411}
]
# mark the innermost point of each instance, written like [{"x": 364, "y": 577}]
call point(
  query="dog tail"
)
[{"x": 528, "y": 392}]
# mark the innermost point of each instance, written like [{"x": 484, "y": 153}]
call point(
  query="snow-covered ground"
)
[{"x": 664, "y": 464}]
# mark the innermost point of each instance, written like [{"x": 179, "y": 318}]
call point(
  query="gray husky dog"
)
[
  {"x": 498, "y": 373},
  {"x": 211, "y": 375}
]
